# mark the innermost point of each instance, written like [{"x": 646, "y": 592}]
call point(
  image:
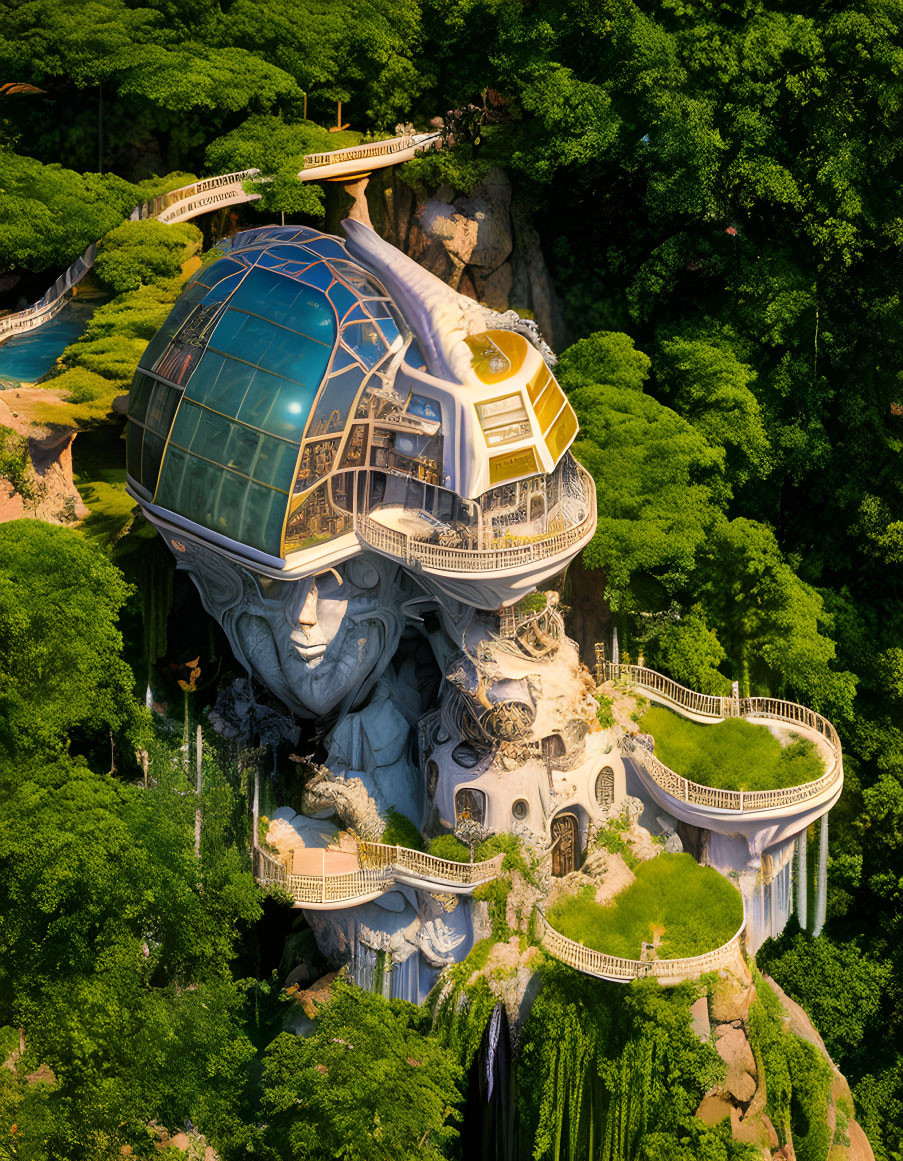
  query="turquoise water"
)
[{"x": 27, "y": 357}]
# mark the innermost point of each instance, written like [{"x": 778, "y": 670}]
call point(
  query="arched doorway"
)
[
  {"x": 564, "y": 844},
  {"x": 470, "y": 806}
]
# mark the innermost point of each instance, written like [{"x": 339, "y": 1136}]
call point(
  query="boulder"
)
[
  {"x": 730, "y": 1000},
  {"x": 699, "y": 1015},
  {"x": 319, "y": 993},
  {"x": 733, "y": 1048}
]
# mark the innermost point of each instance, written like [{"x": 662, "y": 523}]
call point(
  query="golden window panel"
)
[
  {"x": 510, "y": 465},
  {"x": 497, "y": 354},
  {"x": 503, "y": 420}
]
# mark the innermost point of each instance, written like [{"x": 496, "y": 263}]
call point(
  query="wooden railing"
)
[
  {"x": 207, "y": 193},
  {"x": 662, "y": 688},
  {"x": 612, "y": 967},
  {"x": 382, "y": 866},
  {"x": 429, "y": 866},
  {"x": 437, "y": 556}
]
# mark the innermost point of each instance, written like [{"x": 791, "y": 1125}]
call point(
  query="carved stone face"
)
[{"x": 320, "y": 644}]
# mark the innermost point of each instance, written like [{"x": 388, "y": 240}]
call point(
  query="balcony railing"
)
[
  {"x": 412, "y": 550},
  {"x": 612, "y": 967},
  {"x": 717, "y": 708},
  {"x": 381, "y": 866},
  {"x": 56, "y": 297}
]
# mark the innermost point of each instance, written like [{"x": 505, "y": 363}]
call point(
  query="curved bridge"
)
[
  {"x": 611, "y": 967},
  {"x": 180, "y": 205},
  {"x": 706, "y": 708},
  {"x": 382, "y": 868}
]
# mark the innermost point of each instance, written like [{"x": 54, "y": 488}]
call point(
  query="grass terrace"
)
[
  {"x": 673, "y": 903},
  {"x": 731, "y": 755}
]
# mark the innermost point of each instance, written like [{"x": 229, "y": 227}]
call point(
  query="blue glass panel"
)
[
  {"x": 275, "y": 463},
  {"x": 328, "y": 247},
  {"x": 296, "y": 357},
  {"x": 222, "y": 268},
  {"x": 414, "y": 358},
  {"x": 335, "y": 402},
  {"x": 423, "y": 407},
  {"x": 220, "y": 383},
  {"x": 278, "y": 303},
  {"x": 389, "y": 329},
  {"x": 365, "y": 339},
  {"x": 343, "y": 358},
  {"x": 151, "y": 459},
  {"x": 224, "y": 287},
  {"x": 311, "y": 314},
  {"x": 134, "y": 439},
  {"x": 318, "y": 275},
  {"x": 242, "y": 336},
  {"x": 357, "y": 315},
  {"x": 343, "y": 299},
  {"x": 277, "y": 406},
  {"x": 139, "y": 396},
  {"x": 357, "y": 279}
]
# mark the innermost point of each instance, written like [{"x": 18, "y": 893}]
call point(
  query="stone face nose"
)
[{"x": 307, "y": 617}]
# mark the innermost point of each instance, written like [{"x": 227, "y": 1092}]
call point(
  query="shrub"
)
[
  {"x": 693, "y": 908},
  {"x": 734, "y": 754},
  {"x": 446, "y": 846},
  {"x": 400, "y": 831},
  {"x": 138, "y": 253}
]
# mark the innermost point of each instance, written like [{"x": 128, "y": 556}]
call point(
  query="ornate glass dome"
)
[{"x": 242, "y": 398}]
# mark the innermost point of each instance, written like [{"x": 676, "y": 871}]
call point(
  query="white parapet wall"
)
[{"x": 748, "y": 836}]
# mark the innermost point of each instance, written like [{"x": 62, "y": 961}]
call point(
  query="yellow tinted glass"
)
[
  {"x": 562, "y": 432},
  {"x": 497, "y": 354},
  {"x": 512, "y": 465},
  {"x": 549, "y": 404},
  {"x": 537, "y": 384}
]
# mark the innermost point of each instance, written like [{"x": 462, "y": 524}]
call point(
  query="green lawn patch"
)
[
  {"x": 732, "y": 755},
  {"x": 98, "y": 468},
  {"x": 690, "y": 909}
]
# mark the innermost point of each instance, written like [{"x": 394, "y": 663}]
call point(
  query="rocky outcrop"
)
[
  {"x": 50, "y": 450},
  {"x": 480, "y": 243}
]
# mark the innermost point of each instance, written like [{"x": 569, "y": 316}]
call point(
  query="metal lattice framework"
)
[{"x": 670, "y": 693}]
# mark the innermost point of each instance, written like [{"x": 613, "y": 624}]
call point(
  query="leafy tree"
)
[
  {"x": 367, "y": 1084},
  {"x": 691, "y": 652},
  {"x": 50, "y": 215},
  {"x": 138, "y": 253},
  {"x": 655, "y": 475},
  {"x": 60, "y": 669},
  {"x": 277, "y": 148}
]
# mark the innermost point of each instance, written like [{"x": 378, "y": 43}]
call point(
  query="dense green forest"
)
[{"x": 716, "y": 188}]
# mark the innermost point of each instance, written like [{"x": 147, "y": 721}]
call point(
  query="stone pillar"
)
[
  {"x": 801, "y": 884},
  {"x": 821, "y": 896}
]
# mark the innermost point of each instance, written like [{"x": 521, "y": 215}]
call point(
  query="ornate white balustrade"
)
[
  {"x": 413, "y": 551},
  {"x": 381, "y": 868},
  {"x": 663, "y": 689},
  {"x": 612, "y": 967},
  {"x": 200, "y": 196}
]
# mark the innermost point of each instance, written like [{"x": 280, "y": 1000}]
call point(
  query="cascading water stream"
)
[
  {"x": 802, "y": 887},
  {"x": 821, "y": 894}
]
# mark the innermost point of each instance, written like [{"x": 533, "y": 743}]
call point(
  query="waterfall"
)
[
  {"x": 495, "y": 1025},
  {"x": 615, "y": 648},
  {"x": 779, "y": 891},
  {"x": 802, "y": 888},
  {"x": 405, "y": 979},
  {"x": 821, "y": 895}
]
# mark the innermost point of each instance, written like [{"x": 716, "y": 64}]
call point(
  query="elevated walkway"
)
[
  {"x": 380, "y": 868},
  {"x": 180, "y": 205}
]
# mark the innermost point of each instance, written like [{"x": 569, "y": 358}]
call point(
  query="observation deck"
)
[
  {"x": 381, "y": 868},
  {"x": 715, "y": 808},
  {"x": 610, "y": 967}
]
